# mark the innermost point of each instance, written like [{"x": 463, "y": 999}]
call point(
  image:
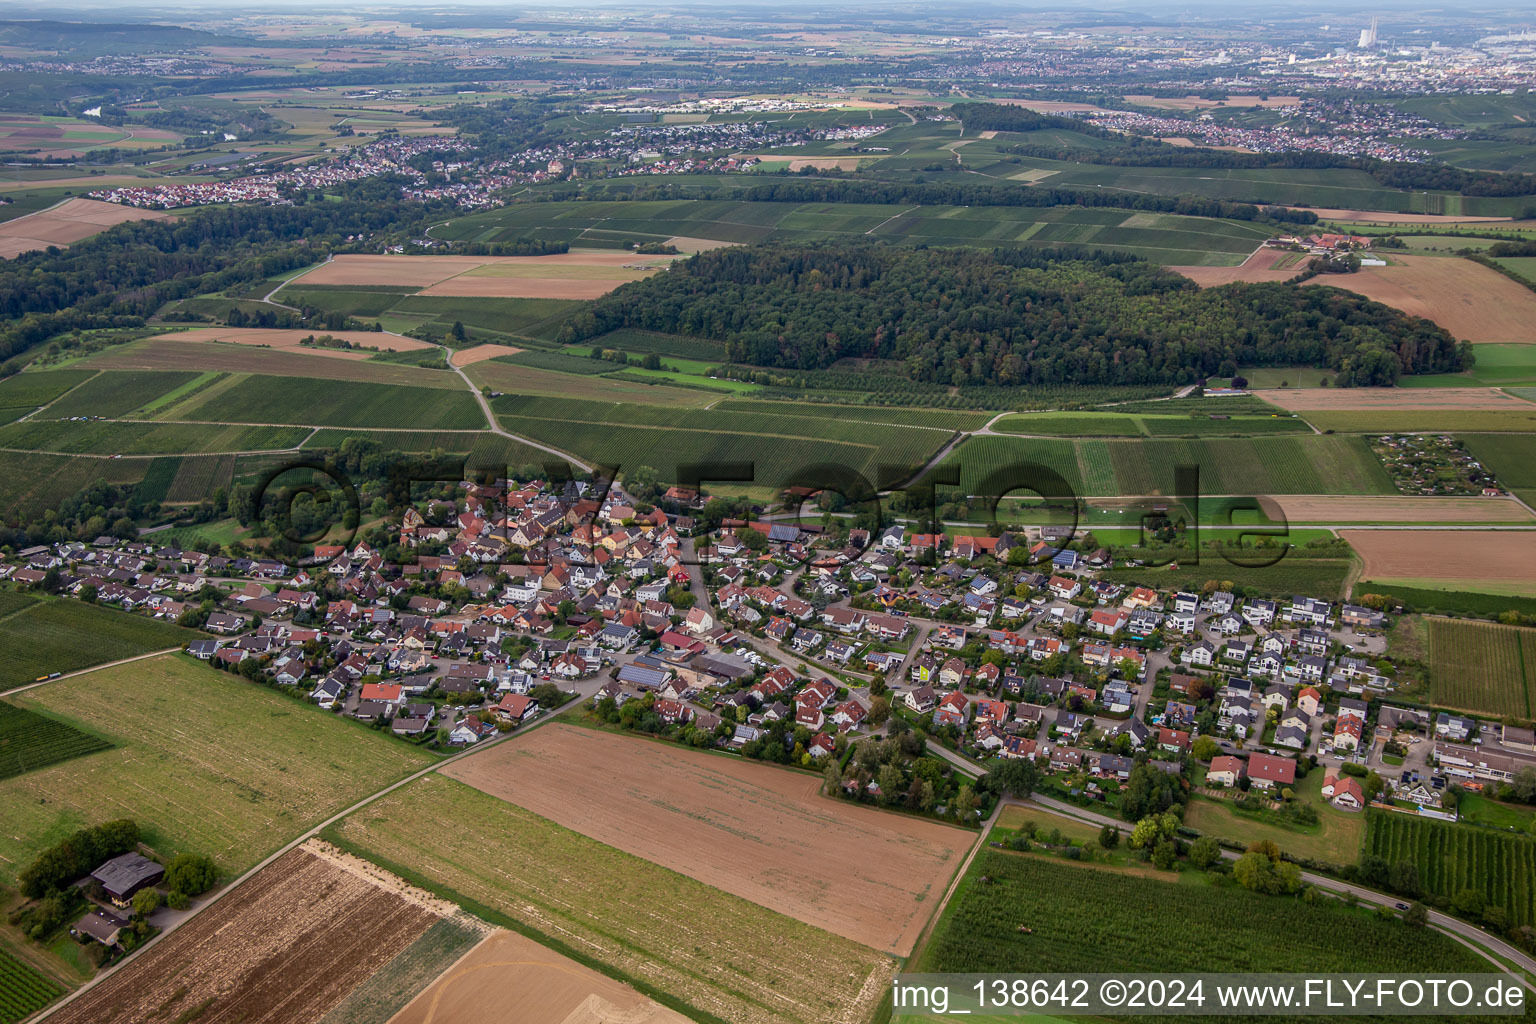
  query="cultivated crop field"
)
[
  {"x": 1264, "y": 265},
  {"x": 1499, "y": 866},
  {"x": 31, "y": 483},
  {"x": 117, "y": 437},
  {"x": 117, "y": 393},
  {"x": 723, "y": 956},
  {"x": 666, "y": 437},
  {"x": 1482, "y": 667},
  {"x": 1456, "y": 560},
  {"x": 286, "y": 946},
  {"x": 23, "y": 991},
  {"x": 262, "y": 399},
  {"x": 1309, "y": 464},
  {"x": 1468, "y": 299},
  {"x": 203, "y": 761},
  {"x": 512, "y": 978},
  {"x": 174, "y": 352},
  {"x": 24, "y": 392},
  {"x": 45, "y": 637},
  {"x": 1162, "y": 238},
  {"x": 1086, "y": 919},
  {"x": 29, "y": 741},
  {"x": 67, "y": 222},
  {"x": 763, "y": 833}
]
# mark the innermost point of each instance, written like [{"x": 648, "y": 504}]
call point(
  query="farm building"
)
[{"x": 123, "y": 876}]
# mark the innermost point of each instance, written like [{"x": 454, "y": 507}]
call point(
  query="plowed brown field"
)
[
  {"x": 1393, "y": 399},
  {"x": 1460, "y": 557},
  {"x": 510, "y": 978},
  {"x": 1330, "y": 508},
  {"x": 282, "y": 948},
  {"x": 763, "y": 833}
]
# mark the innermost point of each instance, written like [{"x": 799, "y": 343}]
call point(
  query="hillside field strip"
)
[
  {"x": 283, "y": 339},
  {"x": 174, "y": 352},
  {"x": 697, "y": 949},
  {"x": 1454, "y": 559},
  {"x": 1301, "y": 464},
  {"x": 69, "y": 221},
  {"x": 571, "y": 275},
  {"x": 1468, "y": 299},
  {"x": 763, "y": 833},
  {"x": 29, "y": 741},
  {"x": 1162, "y": 238},
  {"x": 1404, "y": 410},
  {"x": 1329, "y": 508},
  {"x": 1499, "y": 866},
  {"x": 512, "y": 978},
  {"x": 288, "y": 945},
  {"x": 1482, "y": 667},
  {"x": 175, "y": 769},
  {"x": 781, "y": 445}
]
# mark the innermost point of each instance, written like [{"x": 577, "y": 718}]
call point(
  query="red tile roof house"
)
[
  {"x": 1176, "y": 740},
  {"x": 1225, "y": 771},
  {"x": 1266, "y": 770},
  {"x": 1344, "y": 792},
  {"x": 952, "y": 710},
  {"x": 516, "y": 707}
]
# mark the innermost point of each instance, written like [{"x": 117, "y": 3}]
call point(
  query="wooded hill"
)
[{"x": 1010, "y": 317}]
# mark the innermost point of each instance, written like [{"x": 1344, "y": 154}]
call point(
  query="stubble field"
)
[
  {"x": 511, "y": 978},
  {"x": 1471, "y": 301},
  {"x": 67, "y": 222},
  {"x": 572, "y": 275},
  {"x": 763, "y": 833}
]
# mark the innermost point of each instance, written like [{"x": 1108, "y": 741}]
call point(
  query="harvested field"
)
[
  {"x": 290, "y": 339},
  {"x": 424, "y": 271},
  {"x": 1328, "y": 508},
  {"x": 763, "y": 833},
  {"x": 480, "y": 353},
  {"x": 176, "y": 353},
  {"x": 1378, "y": 217},
  {"x": 285, "y": 946},
  {"x": 1261, "y": 266},
  {"x": 510, "y": 978},
  {"x": 1394, "y": 399},
  {"x": 688, "y": 244},
  {"x": 1459, "y": 559},
  {"x": 495, "y": 286},
  {"x": 1471, "y": 301},
  {"x": 67, "y": 222}
]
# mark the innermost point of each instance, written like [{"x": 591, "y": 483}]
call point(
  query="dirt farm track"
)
[
  {"x": 283, "y": 948},
  {"x": 761, "y": 832}
]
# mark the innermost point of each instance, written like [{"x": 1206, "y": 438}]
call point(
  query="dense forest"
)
[{"x": 1013, "y": 317}]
